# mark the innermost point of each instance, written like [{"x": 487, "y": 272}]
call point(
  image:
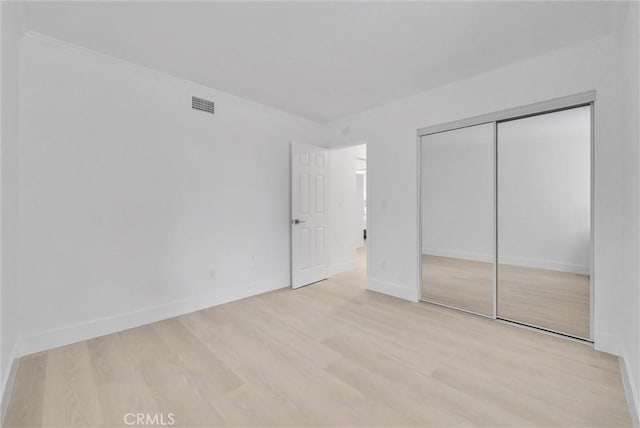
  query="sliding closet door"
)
[
  {"x": 458, "y": 209},
  {"x": 544, "y": 221}
]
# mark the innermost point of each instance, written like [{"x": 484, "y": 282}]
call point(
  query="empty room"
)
[{"x": 318, "y": 213}]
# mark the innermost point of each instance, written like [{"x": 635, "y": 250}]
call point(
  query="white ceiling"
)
[{"x": 323, "y": 60}]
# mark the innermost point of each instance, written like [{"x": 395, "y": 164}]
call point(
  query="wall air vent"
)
[{"x": 202, "y": 104}]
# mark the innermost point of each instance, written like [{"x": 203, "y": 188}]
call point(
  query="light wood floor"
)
[
  {"x": 330, "y": 354},
  {"x": 549, "y": 299}
]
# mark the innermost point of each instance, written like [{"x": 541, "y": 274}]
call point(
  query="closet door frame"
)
[{"x": 557, "y": 104}]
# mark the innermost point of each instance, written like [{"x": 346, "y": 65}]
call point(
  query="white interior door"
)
[{"x": 309, "y": 220}]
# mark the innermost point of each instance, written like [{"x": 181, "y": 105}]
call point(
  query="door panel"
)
[
  {"x": 544, "y": 221},
  {"x": 309, "y": 221},
  {"x": 458, "y": 209}
]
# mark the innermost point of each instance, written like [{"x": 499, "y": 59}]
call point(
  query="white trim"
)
[
  {"x": 87, "y": 330},
  {"x": 337, "y": 268},
  {"x": 395, "y": 290},
  {"x": 608, "y": 343},
  {"x": 494, "y": 223},
  {"x": 630, "y": 393},
  {"x": 8, "y": 388},
  {"x": 419, "y": 215}
]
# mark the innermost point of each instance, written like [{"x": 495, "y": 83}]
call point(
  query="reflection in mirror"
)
[
  {"x": 544, "y": 221},
  {"x": 458, "y": 236}
]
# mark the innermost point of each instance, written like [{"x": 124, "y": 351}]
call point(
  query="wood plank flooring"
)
[
  {"x": 554, "y": 300},
  {"x": 330, "y": 354}
]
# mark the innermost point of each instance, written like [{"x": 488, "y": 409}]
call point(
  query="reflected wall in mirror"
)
[
  {"x": 458, "y": 208},
  {"x": 544, "y": 221}
]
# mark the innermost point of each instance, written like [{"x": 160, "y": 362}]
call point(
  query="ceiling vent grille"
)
[{"x": 203, "y": 105}]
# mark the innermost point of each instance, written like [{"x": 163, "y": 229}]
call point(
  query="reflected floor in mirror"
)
[
  {"x": 549, "y": 299},
  {"x": 545, "y": 298},
  {"x": 460, "y": 283}
]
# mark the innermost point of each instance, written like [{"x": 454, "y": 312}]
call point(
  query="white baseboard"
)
[
  {"x": 630, "y": 392},
  {"x": 8, "y": 389},
  {"x": 515, "y": 261},
  {"x": 606, "y": 342},
  {"x": 87, "y": 330},
  {"x": 342, "y": 267},
  {"x": 395, "y": 290},
  {"x": 611, "y": 344}
]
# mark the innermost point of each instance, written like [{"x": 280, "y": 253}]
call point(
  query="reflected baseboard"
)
[
  {"x": 514, "y": 261},
  {"x": 477, "y": 257}
]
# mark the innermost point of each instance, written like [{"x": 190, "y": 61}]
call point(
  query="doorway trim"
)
[{"x": 557, "y": 104}]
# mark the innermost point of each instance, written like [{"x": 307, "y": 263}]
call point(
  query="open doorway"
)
[
  {"x": 348, "y": 212},
  {"x": 328, "y": 214},
  {"x": 361, "y": 214}
]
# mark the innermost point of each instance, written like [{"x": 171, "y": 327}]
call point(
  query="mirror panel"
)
[
  {"x": 544, "y": 221},
  {"x": 458, "y": 209}
]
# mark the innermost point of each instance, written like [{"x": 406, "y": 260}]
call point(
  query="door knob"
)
[{"x": 297, "y": 221}]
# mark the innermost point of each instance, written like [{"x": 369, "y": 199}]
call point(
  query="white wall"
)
[
  {"x": 544, "y": 183},
  {"x": 458, "y": 185},
  {"x": 629, "y": 313},
  {"x": 134, "y": 207},
  {"x": 11, "y": 32},
  {"x": 390, "y": 132},
  {"x": 343, "y": 208}
]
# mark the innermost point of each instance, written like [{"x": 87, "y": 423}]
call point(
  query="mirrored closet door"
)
[
  {"x": 544, "y": 221},
  {"x": 457, "y": 217},
  {"x": 505, "y": 215}
]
